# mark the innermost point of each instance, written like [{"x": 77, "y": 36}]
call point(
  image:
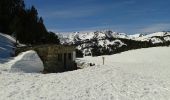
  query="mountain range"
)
[{"x": 109, "y": 42}]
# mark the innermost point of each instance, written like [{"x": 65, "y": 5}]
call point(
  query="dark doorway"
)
[{"x": 65, "y": 60}]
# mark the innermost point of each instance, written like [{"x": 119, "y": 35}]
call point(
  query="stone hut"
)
[{"x": 56, "y": 58}]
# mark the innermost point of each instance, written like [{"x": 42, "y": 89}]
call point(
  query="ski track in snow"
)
[{"x": 142, "y": 74}]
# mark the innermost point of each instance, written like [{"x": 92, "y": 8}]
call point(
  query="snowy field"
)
[{"x": 142, "y": 74}]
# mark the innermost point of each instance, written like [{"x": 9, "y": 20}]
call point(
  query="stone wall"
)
[{"x": 49, "y": 54}]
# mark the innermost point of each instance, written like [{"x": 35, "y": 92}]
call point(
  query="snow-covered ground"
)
[
  {"x": 6, "y": 46},
  {"x": 142, "y": 74}
]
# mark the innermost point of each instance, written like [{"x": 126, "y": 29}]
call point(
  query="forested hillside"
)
[{"x": 24, "y": 23}]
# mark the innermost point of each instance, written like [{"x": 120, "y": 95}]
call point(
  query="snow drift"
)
[
  {"x": 7, "y": 46},
  {"x": 28, "y": 62}
]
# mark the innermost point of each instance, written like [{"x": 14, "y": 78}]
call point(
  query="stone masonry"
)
[{"x": 56, "y": 58}]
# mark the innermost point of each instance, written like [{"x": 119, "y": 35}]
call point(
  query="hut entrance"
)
[{"x": 65, "y": 60}]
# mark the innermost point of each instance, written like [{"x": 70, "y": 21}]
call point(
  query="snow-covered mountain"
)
[
  {"x": 157, "y": 37},
  {"x": 109, "y": 40},
  {"x": 72, "y": 38},
  {"x": 77, "y": 36}
]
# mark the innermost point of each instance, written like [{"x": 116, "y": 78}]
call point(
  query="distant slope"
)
[{"x": 157, "y": 37}]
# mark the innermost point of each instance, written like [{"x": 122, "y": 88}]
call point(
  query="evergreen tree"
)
[
  {"x": 25, "y": 24},
  {"x": 8, "y": 10}
]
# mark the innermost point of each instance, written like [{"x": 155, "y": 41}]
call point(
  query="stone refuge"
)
[{"x": 56, "y": 58}]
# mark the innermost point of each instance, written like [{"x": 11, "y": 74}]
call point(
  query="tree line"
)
[{"x": 24, "y": 23}]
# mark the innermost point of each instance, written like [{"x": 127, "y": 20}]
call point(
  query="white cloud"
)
[{"x": 156, "y": 28}]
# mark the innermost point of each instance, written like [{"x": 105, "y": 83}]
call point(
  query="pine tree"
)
[
  {"x": 25, "y": 24},
  {"x": 8, "y": 10}
]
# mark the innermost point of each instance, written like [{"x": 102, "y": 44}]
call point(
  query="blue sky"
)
[{"x": 129, "y": 16}]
